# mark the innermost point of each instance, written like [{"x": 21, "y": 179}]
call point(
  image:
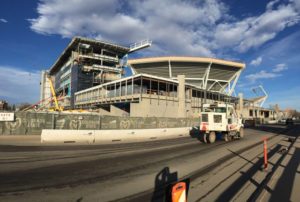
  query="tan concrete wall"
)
[
  {"x": 188, "y": 108},
  {"x": 115, "y": 111},
  {"x": 181, "y": 94},
  {"x": 154, "y": 108},
  {"x": 260, "y": 113},
  {"x": 103, "y": 112}
]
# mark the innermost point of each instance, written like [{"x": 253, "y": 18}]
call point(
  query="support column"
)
[
  {"x": 241, "y": 103},
  {"x": 181, "y": 96}
]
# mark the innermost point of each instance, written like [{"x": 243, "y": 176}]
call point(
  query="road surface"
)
[{"x": 221, "y": 171}]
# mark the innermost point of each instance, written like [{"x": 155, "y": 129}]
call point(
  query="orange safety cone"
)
[
  {"x": 265, "y": 154},
  {"x": 179, "y": 192}
]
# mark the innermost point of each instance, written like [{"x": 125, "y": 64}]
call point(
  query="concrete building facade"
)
[
  {"x": 83, "y": 64},
  {"x": 88, "y": 75},
  {"x": 144, "y": 95}
]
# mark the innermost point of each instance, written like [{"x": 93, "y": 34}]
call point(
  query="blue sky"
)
[{"x": 263, "y": 34}]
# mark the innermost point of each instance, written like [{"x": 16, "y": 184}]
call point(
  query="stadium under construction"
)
[{"x": 89, "y": 75}]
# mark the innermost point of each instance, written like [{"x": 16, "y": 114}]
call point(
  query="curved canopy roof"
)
[{"x": 208, "y": 73}]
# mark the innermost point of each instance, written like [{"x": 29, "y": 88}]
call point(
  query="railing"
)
[
  {"x": 140, "y": 44},
  {"x": 67, "y": 73}
]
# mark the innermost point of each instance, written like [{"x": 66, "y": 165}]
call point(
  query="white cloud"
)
[
  {"x": 176, "y": 26},
  {"x": 254, "y": 31},
  {"x": 271, "y": 4},
  {"x": 256, "y": 61},
  {"x": 261, "y": 75},
  {"x": 3, "y": 20},
  {"x": 280, "y": 67},
  {"x": 296, "y": 4},
  {"x": 17, "y": 84}
]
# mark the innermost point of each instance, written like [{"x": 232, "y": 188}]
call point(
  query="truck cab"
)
[{"x": 220, "y": 118}]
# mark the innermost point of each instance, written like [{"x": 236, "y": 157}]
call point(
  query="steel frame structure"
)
[{"x": 226, "y": 86}]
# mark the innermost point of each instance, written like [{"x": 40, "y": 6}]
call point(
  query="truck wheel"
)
[
  {"x": 211, "y": 138},
  {"x": 205, "y": 138},
  {"x": 241, "y": 132},
  {"x": 225, "y": 137}
]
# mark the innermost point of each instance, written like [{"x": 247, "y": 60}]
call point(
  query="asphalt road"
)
[{"x": 122, "y": 172}]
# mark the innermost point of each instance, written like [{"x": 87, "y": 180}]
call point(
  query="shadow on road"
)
[
  {"x": 285, "y": 130},
  {"x": 164, "y": 182},
  {"x": 284, "y": 187},
  {"x": 237, "y": 154},
  {"x": 234, "y": 188}
]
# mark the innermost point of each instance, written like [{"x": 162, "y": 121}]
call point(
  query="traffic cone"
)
[
  {"x": 179, "y": 192},
  {"x": 265, "y": 154}
]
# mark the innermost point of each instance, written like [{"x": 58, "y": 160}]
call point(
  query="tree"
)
[{"x": 23, "y": 106}]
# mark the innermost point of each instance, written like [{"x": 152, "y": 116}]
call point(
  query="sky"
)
[{"x": 265, "y": 35}]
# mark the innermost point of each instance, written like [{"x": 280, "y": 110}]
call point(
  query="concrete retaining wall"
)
[
  {"x": 32, "y": 123},
  {"x": 67, "y": 136},
  {"x": 111, "y": 136}
]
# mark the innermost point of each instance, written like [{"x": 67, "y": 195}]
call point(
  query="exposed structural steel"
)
[
  {"x": 83, "y": 64},
  {"x": 88, "y": 75},
  {"x": 140, "y": 45},
  {"x": 207, "y": 73},
  {"x": 261, "y": 94},
  {"x": 57, "y": 107},
  {"x": 79, "y": 43}
]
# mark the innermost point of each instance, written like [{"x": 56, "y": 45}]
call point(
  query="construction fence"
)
[{"x": 32, "y": 123}]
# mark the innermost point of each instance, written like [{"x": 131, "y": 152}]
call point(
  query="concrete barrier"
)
[
  {"x": 137, "y": 135},
  {"x": 67, "y": 136},
  {"x": 272, "y": 121},
  {"x": 112, "y": 136}
]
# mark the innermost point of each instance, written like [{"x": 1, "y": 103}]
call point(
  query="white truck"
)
[{"x": 222, "y": 119}]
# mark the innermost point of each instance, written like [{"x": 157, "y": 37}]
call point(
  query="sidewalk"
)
[
  {"x": 285, "y": 182},
  {"x": 20, "y": 140}
]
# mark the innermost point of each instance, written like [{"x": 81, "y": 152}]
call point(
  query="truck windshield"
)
[
  {"x": 220, "y": 109},
  {"x": 216, "y": 109}
]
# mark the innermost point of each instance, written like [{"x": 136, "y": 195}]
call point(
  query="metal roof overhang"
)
[
  {"x": 186, "y": 59},
  {"x": 136, "y": 76},
  {"x": 208, "y": 73},
  {"x": 122, "y": 50}
]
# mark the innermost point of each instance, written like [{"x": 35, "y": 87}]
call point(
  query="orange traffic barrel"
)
[{"x": 179, "y": 192}]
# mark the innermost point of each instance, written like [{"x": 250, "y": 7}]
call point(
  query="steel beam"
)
[
  {"x": 206, "y": 75},
  {"x": 237, "y": 75},
  {"x": 170, "y": 69}
]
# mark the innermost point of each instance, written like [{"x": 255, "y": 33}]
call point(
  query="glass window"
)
[
  {"x": 204, "y": 117},
  {"x": 218, "y": 118},
  {"x": 220, "y": 109}
]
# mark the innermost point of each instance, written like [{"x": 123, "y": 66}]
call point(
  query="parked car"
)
[{"x": 282, "y": 121}]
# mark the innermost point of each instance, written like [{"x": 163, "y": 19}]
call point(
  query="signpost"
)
[{"x": 6, "y": 116}]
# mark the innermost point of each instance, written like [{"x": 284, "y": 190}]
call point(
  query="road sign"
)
[{"x": 5, "y": 116}]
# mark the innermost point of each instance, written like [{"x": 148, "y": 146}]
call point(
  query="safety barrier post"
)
[
  {"x": 265, "y": 153},
  {"x": 179, "y": 192}
]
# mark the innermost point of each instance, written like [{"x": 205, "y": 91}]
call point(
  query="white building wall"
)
[{"x": 45, "y": 86}]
